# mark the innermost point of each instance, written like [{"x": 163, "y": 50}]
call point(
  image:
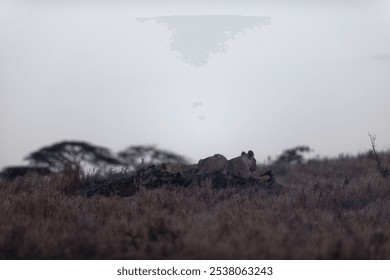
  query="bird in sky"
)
[{"x": 195, "y": 104}]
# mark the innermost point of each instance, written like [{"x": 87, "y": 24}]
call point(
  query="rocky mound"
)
[{"x": 152, "y": 177}]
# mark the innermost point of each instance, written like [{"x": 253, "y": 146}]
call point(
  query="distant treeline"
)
[{"x": 88, "y": 157}]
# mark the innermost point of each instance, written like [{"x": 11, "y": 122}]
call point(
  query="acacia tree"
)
[
  {"x": 135, "y": 157},
  {"x": 293, "y": 155},
  {"x": 73, "y": 154}
]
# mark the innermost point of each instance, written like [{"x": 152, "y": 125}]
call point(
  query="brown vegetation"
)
[{"x": 324, "y": 209}]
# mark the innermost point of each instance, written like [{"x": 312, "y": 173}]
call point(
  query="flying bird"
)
[{"x": 195, "y": 104}]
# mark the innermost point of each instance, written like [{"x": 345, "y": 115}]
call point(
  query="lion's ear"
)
[{"x": 251, "y": 154}]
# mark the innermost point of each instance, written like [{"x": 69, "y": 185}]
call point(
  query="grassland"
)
[{"x": 324, "y": 209}]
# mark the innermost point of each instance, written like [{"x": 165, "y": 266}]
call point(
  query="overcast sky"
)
[{"x": 193, "y": 77}]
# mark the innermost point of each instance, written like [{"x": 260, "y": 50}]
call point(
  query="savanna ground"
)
[{"x": 323, "y": 209}]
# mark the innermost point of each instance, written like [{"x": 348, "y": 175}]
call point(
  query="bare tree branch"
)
[{"x": 385, "y": 172}]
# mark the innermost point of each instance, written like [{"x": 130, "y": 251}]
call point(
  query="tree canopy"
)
[
  {"x": 72, "y": 154},
  {"x": 137, "y": 156},
  {"x": 293, "y": 155}
]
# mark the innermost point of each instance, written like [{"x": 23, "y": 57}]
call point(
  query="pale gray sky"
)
[{"x": 263, "y": 75}]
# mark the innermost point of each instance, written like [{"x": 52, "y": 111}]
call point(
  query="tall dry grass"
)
[{"x": 326, "y": 209}]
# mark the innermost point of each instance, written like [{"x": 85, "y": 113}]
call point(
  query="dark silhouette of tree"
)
[
  {"x": 293, "y": 155},
  {"x": 138, "y": 156},
  {"x": 73, "y": 154}
]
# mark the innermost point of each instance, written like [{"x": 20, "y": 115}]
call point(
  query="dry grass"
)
[{"x": 327, "y": 209}]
